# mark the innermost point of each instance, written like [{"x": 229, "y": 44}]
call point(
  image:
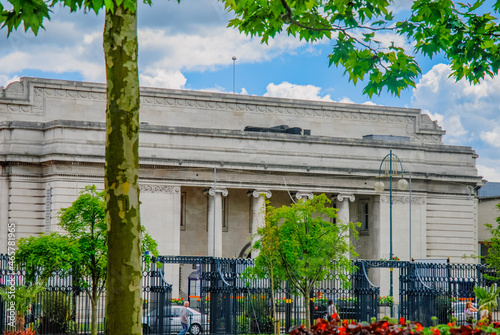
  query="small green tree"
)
[
  {"x": 267, "y": 260},
  {"x": 81, "y": 250},
  {"x": 21, "y": 298},
  {"x": 299, "y": 245}
]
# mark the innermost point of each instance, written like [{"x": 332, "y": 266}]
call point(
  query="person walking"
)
[
  {"x": 184, "y": 318},
  {"x": 470, "y": 312},
  {"x": 331, "y": 310}
]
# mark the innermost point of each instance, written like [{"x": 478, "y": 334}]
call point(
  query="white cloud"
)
[
  {"x": 491, "y": 137},
  {"x": 386, "y": 39},
  {"x": 434, "y": 116},
  {"x": 6, "y": 80},
  {"x": 287, "y": 90},
  {"x": 163, "y": 79},
  {"x": 207, "y": 49},
  {"x": 488, "y": 173},
  {"x": 462, "y": 109},
  {"x": 72, "y": 43},
  {"x": 400, "y": 5},
  {"x": 346, "y": 100},
  {"x": 468, "y": 113},
  {"x": 70, "y": 51}
]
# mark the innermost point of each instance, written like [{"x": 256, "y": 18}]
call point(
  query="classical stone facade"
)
[{"x": 52, "y": 135}]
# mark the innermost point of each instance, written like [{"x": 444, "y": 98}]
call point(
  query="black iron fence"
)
[
  {"x": 64, "y": 306},
  {"x": 226, "y": 303}
]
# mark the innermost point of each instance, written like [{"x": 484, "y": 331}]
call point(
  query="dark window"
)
[
  {"x": 364, "y": 214},
  {"x": 183, "y": 211}
]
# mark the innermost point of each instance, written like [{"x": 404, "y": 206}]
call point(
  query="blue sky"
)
[{"x": 188, "y": 46}]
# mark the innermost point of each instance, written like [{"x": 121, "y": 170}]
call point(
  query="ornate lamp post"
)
[{"x": 393, "y": 167}]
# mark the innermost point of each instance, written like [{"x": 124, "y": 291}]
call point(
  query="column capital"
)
[
  {"x": 341, "y": 197},
  {"x": 304, "y": 195},
  {"x": 258, "y": 193},
  {"x": 211, "y": 191}
]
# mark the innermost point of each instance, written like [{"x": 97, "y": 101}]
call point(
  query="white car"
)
[
  {"x": 151, "y": 323},
  {"x": 458, "y": 309}
]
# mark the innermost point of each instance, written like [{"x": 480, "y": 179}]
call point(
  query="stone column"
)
[
  {"x": 258, "y": 213},
  {"x": 4, "y": 210},
  {"x": 304, "y": 195},
  {"x": 343, "y": 213},
  {"x": 215, "y": 221}
]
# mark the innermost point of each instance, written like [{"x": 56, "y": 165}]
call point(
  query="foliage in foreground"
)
[
  {"x": 467, "y": 34},
  {"x": 383, "y": 327},
  {"x": 22, "y": 297}
]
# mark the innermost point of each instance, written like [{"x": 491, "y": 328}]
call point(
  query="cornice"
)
[{"x": 27, "y": 97}]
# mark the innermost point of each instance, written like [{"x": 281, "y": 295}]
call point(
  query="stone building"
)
[
  {"x": 52, "y": 135},
  {"x": 488, "y": 212}
]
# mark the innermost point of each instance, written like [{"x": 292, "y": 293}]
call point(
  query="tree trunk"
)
[
  {"x": 308, "y": 309},
  {"x": 275, "y": 319},
  {"x": 123, "y": 303},
  {"x": 93, "y": 303},
  {"x": 93, "y": 321}
]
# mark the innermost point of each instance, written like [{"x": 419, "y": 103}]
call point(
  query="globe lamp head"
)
[{"x": 379, "y": 186}]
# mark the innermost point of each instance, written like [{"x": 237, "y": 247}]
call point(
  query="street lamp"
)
[{"x": 393, "y": 167}]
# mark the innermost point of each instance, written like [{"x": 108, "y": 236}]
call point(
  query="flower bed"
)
[
  {"x": 386, "y": 300},
  {"x": 178, "y": 301},
  {"x": 323, "y": 327}
]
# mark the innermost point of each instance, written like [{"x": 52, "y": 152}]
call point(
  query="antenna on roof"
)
[{"x": 234, "y": 67}]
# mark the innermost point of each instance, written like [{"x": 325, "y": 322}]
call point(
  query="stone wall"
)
[{"x": 52, "y": 137}]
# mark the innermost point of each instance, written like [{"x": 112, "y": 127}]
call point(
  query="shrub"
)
[
  {"x": 257, "y": 315},
  {"x": 57, "y": 314}
]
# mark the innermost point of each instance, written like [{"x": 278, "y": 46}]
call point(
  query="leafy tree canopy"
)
[
  {"x": 32, "y": 13},
  {"x": 467, "y": 34}
]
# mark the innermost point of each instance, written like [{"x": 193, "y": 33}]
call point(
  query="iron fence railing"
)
[
  {"x": 227, "y": 303},
  {"x": 64, "y": 307}
]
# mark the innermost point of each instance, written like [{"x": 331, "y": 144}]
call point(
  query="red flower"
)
[
  {"x": 436, "y": 331},
  {"x": 345, "y": 323},
  {"x": 320, "y": 324},
  {"x": 401, "y": 321},
  {"x": 342, "y": 330},
  {"x": 385, "y": 325},
  {"x": 419, "y": 327}
]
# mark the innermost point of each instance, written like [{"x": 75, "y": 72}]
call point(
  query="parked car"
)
[
  {"x": 151, "y": 323},
  {"x": 458, "y": 309}
]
